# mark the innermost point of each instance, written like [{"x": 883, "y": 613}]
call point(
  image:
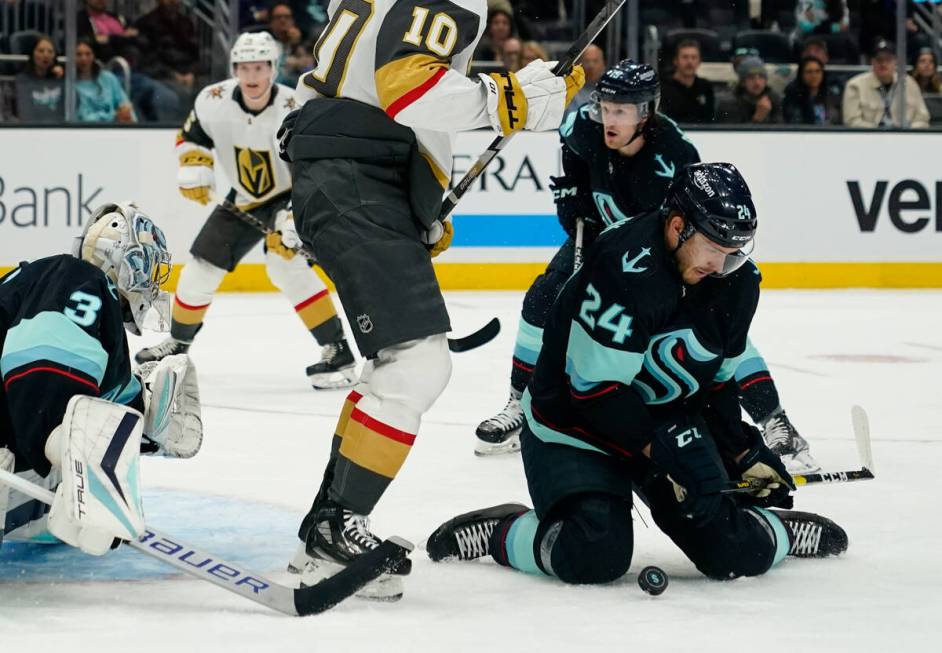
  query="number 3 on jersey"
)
[
  {"x": 590, "y": 308},
  {"x": 86, "y": 308}
]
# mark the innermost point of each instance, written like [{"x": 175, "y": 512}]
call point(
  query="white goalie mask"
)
[
  {"x": 256, "y": 46},
  {"x": 132, "y": 252}
]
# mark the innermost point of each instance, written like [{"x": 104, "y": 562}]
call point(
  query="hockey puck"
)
[{"x": 652, "y": 580}]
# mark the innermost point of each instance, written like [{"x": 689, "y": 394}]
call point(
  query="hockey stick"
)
[
  {"x": 861, "y": 426},
  {"x": 577, "y": 253},
  {"x": 563, "y": 66},
  {"x": 471, "y": 341},
  {"x": 247, "y": 584}
]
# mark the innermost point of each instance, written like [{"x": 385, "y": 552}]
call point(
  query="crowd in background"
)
[{"x": 164, "y": 67}]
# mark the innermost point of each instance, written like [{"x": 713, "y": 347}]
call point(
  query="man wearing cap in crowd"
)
[
  {"x": 752, "y": 102},
  {"x": 871, "y": 99}
]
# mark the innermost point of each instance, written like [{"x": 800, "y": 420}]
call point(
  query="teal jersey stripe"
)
[
  {"x": 576, "y": 381},
  {"x": 546, "y": 434},
  {"x": 529, "y": 342},
  {"x": 54, "y": 337},
  {"x": 519, "y": 543},
  {"x": 781, "y": 535},
  {"x": 593, "y": 362},
  {"x": 124, "y": 394}
]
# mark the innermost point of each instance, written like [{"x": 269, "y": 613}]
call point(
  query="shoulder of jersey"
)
[
  {"x": 633, "y": 250},
  {"x": 216, "y": 95},
  {"x": 285, "y": 101},
  {"x": 672, "y": 132},
  {"x": 579, "y": 132}
]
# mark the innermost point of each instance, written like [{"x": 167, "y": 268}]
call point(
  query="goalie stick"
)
[
  {"x": 861, "y": 426},
  {"x": 248, "y": 584},
  {"x": 471, "y": 341},
  {"x": 563, "y": 66}
]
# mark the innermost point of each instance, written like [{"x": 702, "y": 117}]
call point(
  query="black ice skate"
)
[
  {"x": 336, "y": 539},
  {"x": 467, "y": 536},
  {"x": 168, "y": 347},
  {"x": 336, "y": 369},
  {"x": 783, "y": 439},
  {"x": 501, "y": 433},
  {"x": 811, "y": 535}
]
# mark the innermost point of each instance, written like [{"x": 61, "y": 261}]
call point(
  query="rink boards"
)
[{"x": 836, "y": 209}]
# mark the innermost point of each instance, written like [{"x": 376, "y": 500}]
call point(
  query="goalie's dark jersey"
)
[
  {"x": 627, "y": 345},
  {"x": 61, "y": 334},
  {"x": 623, "y": 186}
]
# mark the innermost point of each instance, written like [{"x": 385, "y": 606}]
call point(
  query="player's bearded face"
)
[
  {"x": 619, "y": 123},
  {"x": 700, "y": 257},
  {"x": 254, "y": 79}
]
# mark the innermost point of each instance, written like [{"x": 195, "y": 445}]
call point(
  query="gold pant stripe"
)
[
  {"x": 186, "y": 314},
  {"x": 317, "y": 312}
]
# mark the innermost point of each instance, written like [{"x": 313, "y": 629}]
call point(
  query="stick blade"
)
[
  {"x": 474, "y": 340},
  {"x": 367, "y": 568},
  {"x": 861, "y": 424}
]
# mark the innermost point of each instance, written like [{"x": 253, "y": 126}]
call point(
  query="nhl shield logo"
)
[
  {"x": 256, "y": 172},
  {"x": 365, "y": 323}
]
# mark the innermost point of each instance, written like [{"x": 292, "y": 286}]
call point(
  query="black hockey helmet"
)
[
  {"x": 714, "y": 199},
  {"x": 628, "y": 82}
]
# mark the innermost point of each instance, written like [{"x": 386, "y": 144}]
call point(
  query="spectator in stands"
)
[
  {"x": 593, "y": 62},
  {"x": 811, "y": 99},
  {"x": 878, "y": 21},
  {"x": 106, "y": 31},
  {"x": 685, "y": 97},
  {"x": 500, "y": 27},
  {"x": 298, "y": 62},
  {"x": 101, "y": 97},
  {"x": 283, "y": 28},
  {"x": 168, "y": 36},
  {"x": 815, "y": 46},
  {"x": 753, "y": 102},
  {"x": 871, "y": 99},
  {"x": 531, "y": 52},
  {"x": 820, "y": 17},
  {"x": 926, "y": 71},
  {"x": 511, "y": 54},
  {"x": 39, "y": 87}
]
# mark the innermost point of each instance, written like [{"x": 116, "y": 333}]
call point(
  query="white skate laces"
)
[
  {"x": 473, "y": 539},
  {"x": 806, "y": 538},
  {"x": 509, "y": 418}
]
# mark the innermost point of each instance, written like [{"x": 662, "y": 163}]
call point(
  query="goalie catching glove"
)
[
  {"x": 532, "y": 98},
  {"x": 172, "y": 423},
  {"x": 97, "y": 449}
]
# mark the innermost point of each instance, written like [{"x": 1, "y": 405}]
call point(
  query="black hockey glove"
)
[
  {"x": 685, "y": 451},
  {"x": 571, "y": 204},
  {"x": 762, "y": 467},
  {"x": 285, "y": 132}
]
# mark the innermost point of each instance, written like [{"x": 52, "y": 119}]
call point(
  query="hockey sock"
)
[
  {"x": 526, "y": 351},
  {"x": 186, "y": 320},
  {"x": 777, "y": 532},
  {"x": 513, "y": 543},
  {"x": 320, "y": 318},
  {"x": 757, "y": 392},
  {"x": 198, "y": 282}
]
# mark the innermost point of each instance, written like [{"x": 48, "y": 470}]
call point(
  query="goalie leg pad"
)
[
  {"x": 172, "y": 418},
  {"x": 97, "y": 447}
]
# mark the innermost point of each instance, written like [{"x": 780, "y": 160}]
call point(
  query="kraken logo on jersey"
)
[
  {"x": 668, "y": 363},
  {"x": 256, "y": 172}
]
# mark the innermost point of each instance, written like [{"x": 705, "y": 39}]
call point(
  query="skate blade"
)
[
  {"x": 800, "y": 463},
  {"x": 510, "y": 445},
  {"x": 344, "y": 378},
  {"x": 387, "y": 588}
]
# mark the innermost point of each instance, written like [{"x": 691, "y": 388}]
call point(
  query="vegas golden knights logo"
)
[{"x": 256, "y": 173}]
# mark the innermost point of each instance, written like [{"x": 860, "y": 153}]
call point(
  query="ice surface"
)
[{"x": 267, "y": 438}]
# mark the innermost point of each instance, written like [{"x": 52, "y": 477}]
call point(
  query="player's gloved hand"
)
[
  {"x": 762, "y": 467},
  {"x": 532, "y": 98},
  {"x": 685, "y": 451},
  {"x": 284, "y": 240},
  {"x": 195, "y": 177},
  {"x": 173, "y": 423},
  {"x": 438, "y": 238},
  {"x": 97, "y": 448},
  {"x": 285, "y": 132},
  {"x": 571, "y": 204}
]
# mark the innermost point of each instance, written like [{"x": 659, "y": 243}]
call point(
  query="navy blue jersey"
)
[
  {"x": 623, "y": 186},
  {"x": 628, "y": 344},
  {"x": 61, "y": 334}
]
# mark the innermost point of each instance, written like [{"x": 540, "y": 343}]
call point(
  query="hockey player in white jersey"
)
[
  {"x": 372, "y": 155},
  {"x": 233, "y": 124}
]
